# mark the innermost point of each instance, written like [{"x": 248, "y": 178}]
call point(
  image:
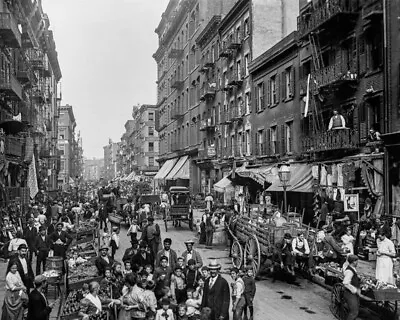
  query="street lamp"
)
[{"x": 284, "y": 176}]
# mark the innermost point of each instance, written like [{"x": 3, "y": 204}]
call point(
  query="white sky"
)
[{"x": 105, "y": 50}]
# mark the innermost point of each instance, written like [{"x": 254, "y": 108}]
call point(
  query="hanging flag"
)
[
  {"x": 32, "y": 178},
  {"x": 307, "y": 96}
]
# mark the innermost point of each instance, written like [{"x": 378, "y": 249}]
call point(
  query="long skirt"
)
[
  {"x": 13, "y": 306},
  {"x": 384, "y": 269}
]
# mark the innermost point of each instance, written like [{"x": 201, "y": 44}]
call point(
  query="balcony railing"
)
[
  {"x": 10, "y": 85},
  {"x": 207, "y": 124},
  {"x": 225, "y": 52},
  {"x": 332, "y": 140},
  {"x": 9, "y": 30},
  {"x": 372, "y": 9},
  {"x": 235, "y": 78},
  {"x": 323, "y": 13},
  {"x": 13, "y": 146},
  {"x": 234, "y": 43},
  {"x": 36, "y": 58},
  {"x": 177, "y": 83},
  {"x": 335, "y": 74},
  {"x": 175, "y": 53},
  {"x": 38, "y": 95},
  {"x": 208, "y": 91}
]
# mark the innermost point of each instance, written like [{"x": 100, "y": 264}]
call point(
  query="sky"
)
[{"x": 105, "y": 50}]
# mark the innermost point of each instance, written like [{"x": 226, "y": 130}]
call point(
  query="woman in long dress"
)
[
  {"x": 15, "y": 296},
  {"x": 384, "y": 261}
]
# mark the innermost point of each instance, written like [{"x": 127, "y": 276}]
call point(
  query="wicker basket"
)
[{"x": 387, "y": 295}]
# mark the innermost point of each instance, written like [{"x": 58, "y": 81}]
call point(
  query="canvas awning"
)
[
  {"x": 260, "y": 175},
  {"x": 223, "y": 185},
  {"x": 176, "y": 168},
  {"x": 301, "y": 179},
  {"x": 184, "y": 171},
  {"x": 165, "y": 169}
]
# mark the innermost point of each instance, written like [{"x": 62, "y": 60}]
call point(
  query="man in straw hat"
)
[
  {"x": 103, "y": 261},
  {"x": 216, "y": 294},
  {"x": 190, "y": 253}
]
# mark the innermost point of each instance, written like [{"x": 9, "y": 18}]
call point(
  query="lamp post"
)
[{"x": 284, "y": 177}]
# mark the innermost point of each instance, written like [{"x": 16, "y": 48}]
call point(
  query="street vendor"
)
[
  {"x": 92, "y": 304},
  {"x": 283, "y": 253},
  {"x": 103, "y": 261},
  {"x": 300, "y": 248},
  {"x": 352, "y": 284},
  {"x": 384, "y": 261}
]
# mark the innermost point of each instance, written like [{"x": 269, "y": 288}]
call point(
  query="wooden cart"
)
[
  {"x": 254, "y": 241},
  {"x": 180, "y": 208}
]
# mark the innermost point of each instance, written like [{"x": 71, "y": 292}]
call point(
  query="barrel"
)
[{"x": 55, "y": 263}]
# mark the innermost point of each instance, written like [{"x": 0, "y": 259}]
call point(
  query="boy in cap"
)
[
  {"x": 249, "y": 291},
  {"x": 103, "y": 261},
  {"x": 114, "y": 243},
  {"x": 167, "y": 252}
]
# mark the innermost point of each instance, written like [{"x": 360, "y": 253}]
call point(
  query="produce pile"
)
[
  {"x": 86, "y": 226},
  {"x": 51, "y": 273},
  {"x": 84, "y": 271}
]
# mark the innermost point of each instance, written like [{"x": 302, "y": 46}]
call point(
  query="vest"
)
[
  {"x": 355, "y": 281},
  {"x": 337, "y": 121}
]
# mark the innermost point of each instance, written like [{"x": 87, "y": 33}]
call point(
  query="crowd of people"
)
[{"x": 150, "y": 282}]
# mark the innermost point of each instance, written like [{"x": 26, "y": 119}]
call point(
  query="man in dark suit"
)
[
  {"x": 143, "y": 257},
  {"x": 103, "y": 261},
  {"x": 38, "y": 306},
  {"x": 52, "y": 226},
  {"x": 216, "y": 294},
  {"x": 42, "y": 245},
  {"x": 30, "y": 234},
  {"x": 23, "y": 266},
  {"x": 60, "y": 241},
  {"x": 167, "y": 252},
  {"x": 130, "y": 252}
]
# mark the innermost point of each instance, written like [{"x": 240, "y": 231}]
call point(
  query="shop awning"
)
[
  {"x": 184, "y": 171},
  {"x": 223, "y": 185},
  {"x": 165, "y": 169},
  {"x": 260, "y": 175},
  {"x": 176, "y": 169},
  {"x": 301, "y": 179}
]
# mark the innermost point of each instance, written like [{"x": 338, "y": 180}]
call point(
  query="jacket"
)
[
  {"x": 331, "y": 248},
  {"x": 217, "y": 298},
  {"x": 38, "y": 308},
  {"x": 139, "y": 261},
  {"x": 30, "y": 237},
  {"x": 43, "y": 246},
  {"x": 173, "y": 258},
  {"x": 63, "y": 236},
  {"x": 195, "y": 256},
  {"x": 102, "y": 264}
]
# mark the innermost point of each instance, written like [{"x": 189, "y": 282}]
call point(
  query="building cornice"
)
[
  {"x": 209, "y": 32},
  {"x": 232, "y": 14},
  {"x": 159, "y": 54},
  {"x": 282, "y": 47}
]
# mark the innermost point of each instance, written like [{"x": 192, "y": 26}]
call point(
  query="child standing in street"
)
[
  {"x": 114, "y": 243},
  {"x": 133, "y": 230},
  {"x": 249, "y": 292}
]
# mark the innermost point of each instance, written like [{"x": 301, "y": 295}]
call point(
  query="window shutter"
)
[
  {"x": 283, "y": 85},
  {"x": 256, "y": 99},
  {"x": 278, "y": 87},
  {"x": 267, "y": 144},
  {"x": 292, "y": 81},
  {"x": 263, "y": 96},
  {"x": 283, "y": 140},
  {"x": 268, "y": 90}
]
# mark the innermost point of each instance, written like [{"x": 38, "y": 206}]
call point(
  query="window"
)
[
  {"x": 239, "y": 69},
  {"x": 246, "y": 65},
  {"x": 289, "y": 134},
  {"x": 238, "y": 35},
  {"x": 260, "y": 96},
  {"x": 151, "y": 161},
  {"x": 62, "y": 165},
  {"x": 288, "y": 83},
  {"x": 274, "y": 140},
  {"x": 272, "y": 91},
  {"x": 151, "y": 146},
  {"x": 151, "y": 116},
  {"x": 248, "y": 140},
  {"x": 246, "y": 27},
  {"x": 151, "y": 131},
  {"x": 247, "y": 102},
  {"x": 259, "y": 142}
]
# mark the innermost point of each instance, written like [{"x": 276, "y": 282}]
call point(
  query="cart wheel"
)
[
  {"x": 338, "y": 305},
  {"x": 237, "y": 254},
  {"x": 253, "y": 253}
]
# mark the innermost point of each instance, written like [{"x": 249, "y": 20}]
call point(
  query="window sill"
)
[
  {"x": 273, "y": 105},
  {"x": 288, "y": 99},
  {"x": 260, "y": 111}
]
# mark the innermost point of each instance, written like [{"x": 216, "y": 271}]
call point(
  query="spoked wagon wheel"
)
[
  {"x": 237, "y": 254},
  {"x": 253, "y": 253},
  {"x": 338, "y": 305}
]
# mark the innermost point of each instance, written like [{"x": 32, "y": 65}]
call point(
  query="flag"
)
[
  {"x": 307, "y": 96},
  {"x": 32, "y": 179}
]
